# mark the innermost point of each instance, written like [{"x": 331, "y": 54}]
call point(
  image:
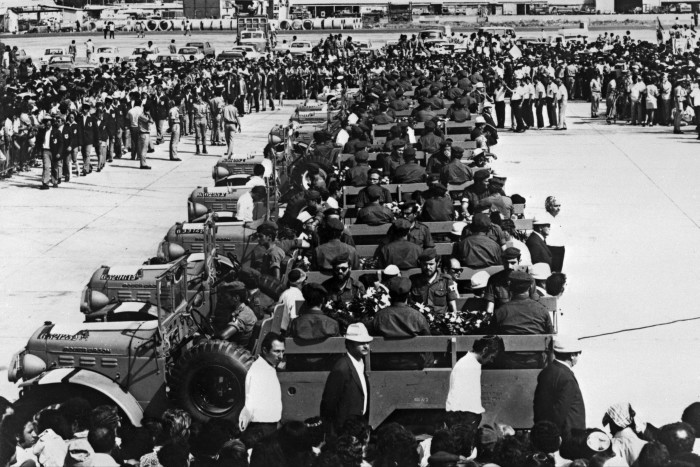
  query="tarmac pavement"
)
[{"x": 629, "y": 207}]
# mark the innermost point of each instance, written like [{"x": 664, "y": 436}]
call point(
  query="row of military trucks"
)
[{"x": 147, "y": 341}]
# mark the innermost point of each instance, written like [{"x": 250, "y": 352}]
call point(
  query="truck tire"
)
[
  {"x": 301, "y": 167},
  {"x": 33, "y": 400},
  {"x": 209, "y": 380}
]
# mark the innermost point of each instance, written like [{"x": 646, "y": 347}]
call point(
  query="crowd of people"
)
[{"x": 64, "y": 117}]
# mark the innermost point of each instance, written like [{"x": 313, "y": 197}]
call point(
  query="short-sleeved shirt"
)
[
  {"x": 398, "y": 321},
  {"x": 522, "y": 316},
  {"x": 347, "y": 292},
  {"x": 325, "y": 253},
  {"x": 374, "y": 215},
  {"x": 312, "y": 325},
  {"x": 497, "y": 290},
  {"x": 420, "y": 235},
  {"x": 410, "y": 172},
  {"x": 455, "y": 172},
  {"x": 438, "y": 209},
  {"x": 437, "y": 294},
  {"x": 230, "y": 114},
  {"x": 272, "y": 259},
  {"x": 401, "y": 253},
  {"x": 478, "y": 252}
]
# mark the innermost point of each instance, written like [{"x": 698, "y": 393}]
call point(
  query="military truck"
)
[{"x": 254, "y": 31}]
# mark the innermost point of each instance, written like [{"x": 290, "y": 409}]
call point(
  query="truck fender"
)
[{"x": 92, "y": 380}]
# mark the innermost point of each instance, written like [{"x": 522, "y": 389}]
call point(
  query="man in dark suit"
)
[
  {"x": 558, "y": 397},
  {"x": 87, "y": 136},
  {"x": 49, "y": 140},
  {"x": 346, "y": 392},
  {"x": 537, "y": 243}
]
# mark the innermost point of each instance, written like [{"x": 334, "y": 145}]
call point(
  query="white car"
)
[
  {"x": 190, "y": 53},
  {"x": 300, "y": 48},
  {"x": 53, "y": 52},
  {"x": 107, "y": 54},
  {"x": 166, "y": 60},
  {"x": 131, "y": 60},
  {"x": 239, "y": 51},
  {"x": 363, "y": 47}
]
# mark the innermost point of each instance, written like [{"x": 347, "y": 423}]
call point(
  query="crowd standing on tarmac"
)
[{"x": 67, "y": 117}]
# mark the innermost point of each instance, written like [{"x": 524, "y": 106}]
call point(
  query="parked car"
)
[
  {"x": 363, "y": 47},
  {"x": 205, "y": 48},
  {"x": 107, "y": 54},
  {"x": 299, "y": 48},
  {"x": 53, "y": 52},
  {"x": 190, "y": 53},
  {"x": 165, "y": 60},
  {"x": 61, "y": 62},
  {"x": 240, "y": 52}
]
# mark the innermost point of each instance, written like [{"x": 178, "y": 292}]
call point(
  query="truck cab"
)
[{"x": 254, "y": 31}]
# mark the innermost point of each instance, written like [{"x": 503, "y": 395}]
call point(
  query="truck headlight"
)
[
  {"x": 32, "y": 366},
  {"x": 195, "y": 210},
  {"x": 14, "y": 371}
]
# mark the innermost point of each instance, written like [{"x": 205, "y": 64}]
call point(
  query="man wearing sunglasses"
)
[{"x": 342, "y": 286}]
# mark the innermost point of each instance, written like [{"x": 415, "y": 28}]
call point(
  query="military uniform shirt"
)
[{"x": 437, "y": 294}]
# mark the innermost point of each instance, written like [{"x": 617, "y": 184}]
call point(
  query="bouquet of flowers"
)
[
  {"x": 359, "y": 309},
  {"x": 457, "y": 323},
  {"x": 394, "y": 206}
]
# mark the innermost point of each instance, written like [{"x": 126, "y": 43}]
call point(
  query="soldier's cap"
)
[
  {"x": 453, "y": 79},
  {"x": 267, "y": 227},
  {"x": 391, "y": 271},
  {"x": 458, "y": 228},
  {"x": 374, "y": 192},
  {"x": 482, "y": 174},
  {"x": 511, "y": 253},
  {"x": 399, "y": 285},
  {"x": 428, "y": 254},
  {"x": 479, "y": 280},
  {"x": 498, "y": 181},
  {"x": 361, "y": 144},
  {"x": 478, "y": 152},
  {"x": 519, "y": 281},
  {"x": 409, "y": 153},
  {"x": 457, "y": 150},
  {"x": 362, "y": 156},
  {"x": 480, "y": 119},
  {"x": 481, "y": 221},
  {"x": 312, "y": 195},
  {"x": 398, "y": 144},
  {"x": 430, "y": 125},
  {"x": 340, "y": 259},
  {"x": 402, "y": 224},
  {"x": 479, "y": 85},
  {"x": 335, "y": 224},
  {"x": 540, "y": 271},
  {"x": 47, "y": 119},
  {"x": 232, "y": 286}
]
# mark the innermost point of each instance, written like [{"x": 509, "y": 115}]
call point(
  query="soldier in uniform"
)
[
  {"x": 438, "y": 206},
  {"x": 479, "y": 190},
  {"x": 497, "y": 292},
  {"x": 455, "y": 172},
  {"x": 358, "y": 175},
  {"x": 440, "y": 158},
  {"x": 216, "y": 108},
  {"x": 410, "y": 171},
  {"x": 102, "y": 137},
  {"x": 429, "y": 141},
  {"x": 374, "y": 213},
  {"x": 202, "y": 121},
  {"x": 383, "y": 117},
  {"x": 399, "y": 251},
  {"x": 432, "y": 288},
  {"x": 373, "y": 180},
  {"x": 232, "y": 318},
  {"x": 418, "y": 232},
  {"x": 342, "y": 287}
]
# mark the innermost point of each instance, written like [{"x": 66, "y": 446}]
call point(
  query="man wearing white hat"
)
[
  {"x": 558, "y": 397},
  {"x": 346, "y": 392}
]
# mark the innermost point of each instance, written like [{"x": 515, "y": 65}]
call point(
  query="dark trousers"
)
[
  {"x": 516, "y": 109},
  {"x": 134, "y": 142},
  {"x": 257, "y": 431},
  {"x": 551, "y": 112},
  {"x": 500, "y": 114},
  {"x": 540, "y": 116}
]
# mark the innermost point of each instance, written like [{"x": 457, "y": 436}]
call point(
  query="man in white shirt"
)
[
  {"x": 345, "y": 394},
  {"x": 289, "y": 297},
  {"x": 562, "y": 100},
  {"x": 463, "y": 404},
  {"x": 263, "y": 393},
  {"x": 625, "y": 442},
  {"x": 245, "y": 206}
]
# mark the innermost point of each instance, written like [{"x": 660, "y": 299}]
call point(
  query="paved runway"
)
[{"x": 630, "y": 207}]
